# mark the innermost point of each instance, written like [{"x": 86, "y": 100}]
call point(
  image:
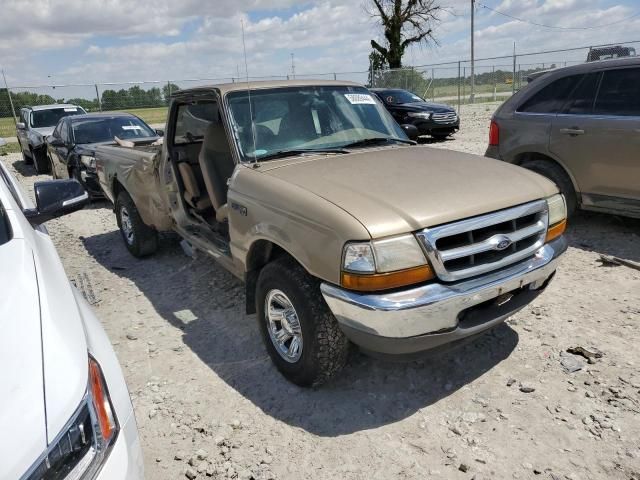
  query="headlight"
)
[
  {"x": 425, "y": 115},
  {"x": 384, "y": 264},
  {"x": 557, "y": 216},
  {"x": 88, "y": 161},
  {"x": 83, "y": 444}
]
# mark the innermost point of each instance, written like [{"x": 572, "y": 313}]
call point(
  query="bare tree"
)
[{"x": 404, "y": 22}]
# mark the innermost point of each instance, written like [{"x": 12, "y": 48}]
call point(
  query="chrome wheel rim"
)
[
  {"x": 283, "y": 325},
  {"x": 126, "y": 226}
]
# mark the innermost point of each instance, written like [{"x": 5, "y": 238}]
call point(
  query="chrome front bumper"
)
[{"x": 424, "y": 317}]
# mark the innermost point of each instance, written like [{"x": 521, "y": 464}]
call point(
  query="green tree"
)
[
  {"x": 404, "y": 22},
  {"x": 167, "y": 90}
]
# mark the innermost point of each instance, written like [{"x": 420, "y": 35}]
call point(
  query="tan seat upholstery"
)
[
  {"x": 192, "y": 194},
  {"x": 217, "y": 167}
]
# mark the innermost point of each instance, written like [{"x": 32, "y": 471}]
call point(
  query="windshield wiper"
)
[
  {"x": 377, "y": 141},
  {"x": 298, "y": 151}
]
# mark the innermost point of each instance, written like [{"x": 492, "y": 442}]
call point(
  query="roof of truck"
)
[{"x": 257, "y": 85}]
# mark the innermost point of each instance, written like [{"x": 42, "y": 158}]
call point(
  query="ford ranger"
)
[{"x": 343, "y": 230}]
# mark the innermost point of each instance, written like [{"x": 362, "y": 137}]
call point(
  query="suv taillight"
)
[{"x": 494, "y": 134}]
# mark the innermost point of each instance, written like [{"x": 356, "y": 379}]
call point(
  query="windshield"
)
[
  {"x": 308, "y": 118},
  {"x": 94, "y": 130},
  {"x": 50, "y": 117},
  {"x": 400, "y": 96}
]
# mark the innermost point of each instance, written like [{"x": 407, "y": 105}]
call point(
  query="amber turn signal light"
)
[
  {"x": 556, "y": 230},
  {"x": 386, "y": 281},
  {"x": 101, "y": 401}
]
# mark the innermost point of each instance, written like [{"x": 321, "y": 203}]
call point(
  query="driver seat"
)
[{"x": 217, "y": 167}]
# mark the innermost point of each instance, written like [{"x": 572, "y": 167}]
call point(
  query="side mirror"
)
[
  {"x": 55, "y": 198},
  {"x": 21, "y": 126},
  {"x": 54, "y": 142},
  {"x": 411, "y": 131},
  {"x": 160, "y": 132}
]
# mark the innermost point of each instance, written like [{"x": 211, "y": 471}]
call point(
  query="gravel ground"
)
[{"x": 209, "y": 403}]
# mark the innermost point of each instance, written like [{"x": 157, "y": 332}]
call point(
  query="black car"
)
[
  {"x": 433, "y": 119},
  {"x": 72, "y": 145}
]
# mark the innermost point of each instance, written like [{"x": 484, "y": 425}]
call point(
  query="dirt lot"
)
[{"x": 210, "y": 403}]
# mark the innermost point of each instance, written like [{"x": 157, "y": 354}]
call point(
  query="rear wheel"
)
[
  {"x": 558, "y": 176},
  {"x": 300, "y": 333},
  {"x": 140, "y": 239}
]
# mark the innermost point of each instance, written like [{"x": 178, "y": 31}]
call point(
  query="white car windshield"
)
[{"x": 308, "y": 118}]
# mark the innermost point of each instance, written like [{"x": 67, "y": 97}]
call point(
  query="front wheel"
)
[
  {"x": 140, "y": 239},
  {"x": 300, "y": 333},
  {"x": 40, "y": 162}
]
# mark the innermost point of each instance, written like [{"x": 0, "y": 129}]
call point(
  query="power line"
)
[{"x": 555, "y": 26}]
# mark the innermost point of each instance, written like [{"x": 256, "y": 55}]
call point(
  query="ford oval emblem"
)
[{"x": 502, "y": 244}]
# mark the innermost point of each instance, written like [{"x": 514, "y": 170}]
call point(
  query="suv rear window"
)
[
  {"x": 619, "y": 93},
  {"x": 581, "y": 102},
  {"x": 552, "y": 97}
]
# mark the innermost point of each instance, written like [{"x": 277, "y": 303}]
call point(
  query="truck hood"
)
[
  {"x": 22, "y": 405},
  {"x": 397, "y": 190}
]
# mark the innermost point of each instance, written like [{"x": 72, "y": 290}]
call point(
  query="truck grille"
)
[
  {"x": 488, "y": 242},
  {"x": 446, "y": 117}
]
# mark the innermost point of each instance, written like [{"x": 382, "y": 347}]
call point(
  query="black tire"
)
[
  {"x": 140, "y": 239},
  {"x": 25, "y": 158},
  {"x": 40, "y": 162},
  {"x": 324, "y": 347},
  {"x": 440, "y": 136},
  {"x": 557, "y": 175}
]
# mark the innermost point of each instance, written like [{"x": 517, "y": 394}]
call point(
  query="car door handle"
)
[{"x": 572, "y": 131}]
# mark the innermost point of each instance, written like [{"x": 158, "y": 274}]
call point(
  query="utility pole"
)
[
  {"x": 13, "y": 112},
  {"x": 473, "y": 80},
  {"x": 293, "y": 67}
]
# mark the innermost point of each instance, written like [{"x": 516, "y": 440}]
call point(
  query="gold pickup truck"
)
[{"x": 343, "y": 230}]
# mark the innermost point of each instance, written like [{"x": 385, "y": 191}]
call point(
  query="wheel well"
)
[
  {"x": 117, "y": 188},
  {"x": 529, "y": 156},
  {"x": 260, "y": 253}
]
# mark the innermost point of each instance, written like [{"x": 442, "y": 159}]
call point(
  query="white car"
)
[{"x": 65, "y": 411}]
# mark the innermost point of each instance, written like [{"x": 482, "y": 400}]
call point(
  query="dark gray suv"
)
[
  {"x": 35, "y": 125},
  {"x": 580, "y": 127}
]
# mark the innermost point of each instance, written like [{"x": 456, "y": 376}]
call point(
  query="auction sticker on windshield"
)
[{"x": 360, "y": 99}]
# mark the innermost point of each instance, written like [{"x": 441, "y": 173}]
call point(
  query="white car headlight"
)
[
  {"x": 425, "y": 115},
  {"x": 88, "y": 161},
  {"x": 78, "y": 451}
]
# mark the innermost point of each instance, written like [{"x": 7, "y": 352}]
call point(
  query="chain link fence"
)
[{"x": 495, "y": 79}]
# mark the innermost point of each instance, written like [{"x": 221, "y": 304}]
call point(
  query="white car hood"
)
[
  {"x": 43, "y": 348},
  {"x": 22, "y": 412}
]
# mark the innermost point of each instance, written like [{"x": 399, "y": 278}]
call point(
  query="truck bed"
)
[{"x": 136, "y": 169}]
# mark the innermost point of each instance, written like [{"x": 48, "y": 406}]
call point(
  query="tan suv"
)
[
  {"x": 580, "y": 127},
  {"x": 343, "y": 230}
]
